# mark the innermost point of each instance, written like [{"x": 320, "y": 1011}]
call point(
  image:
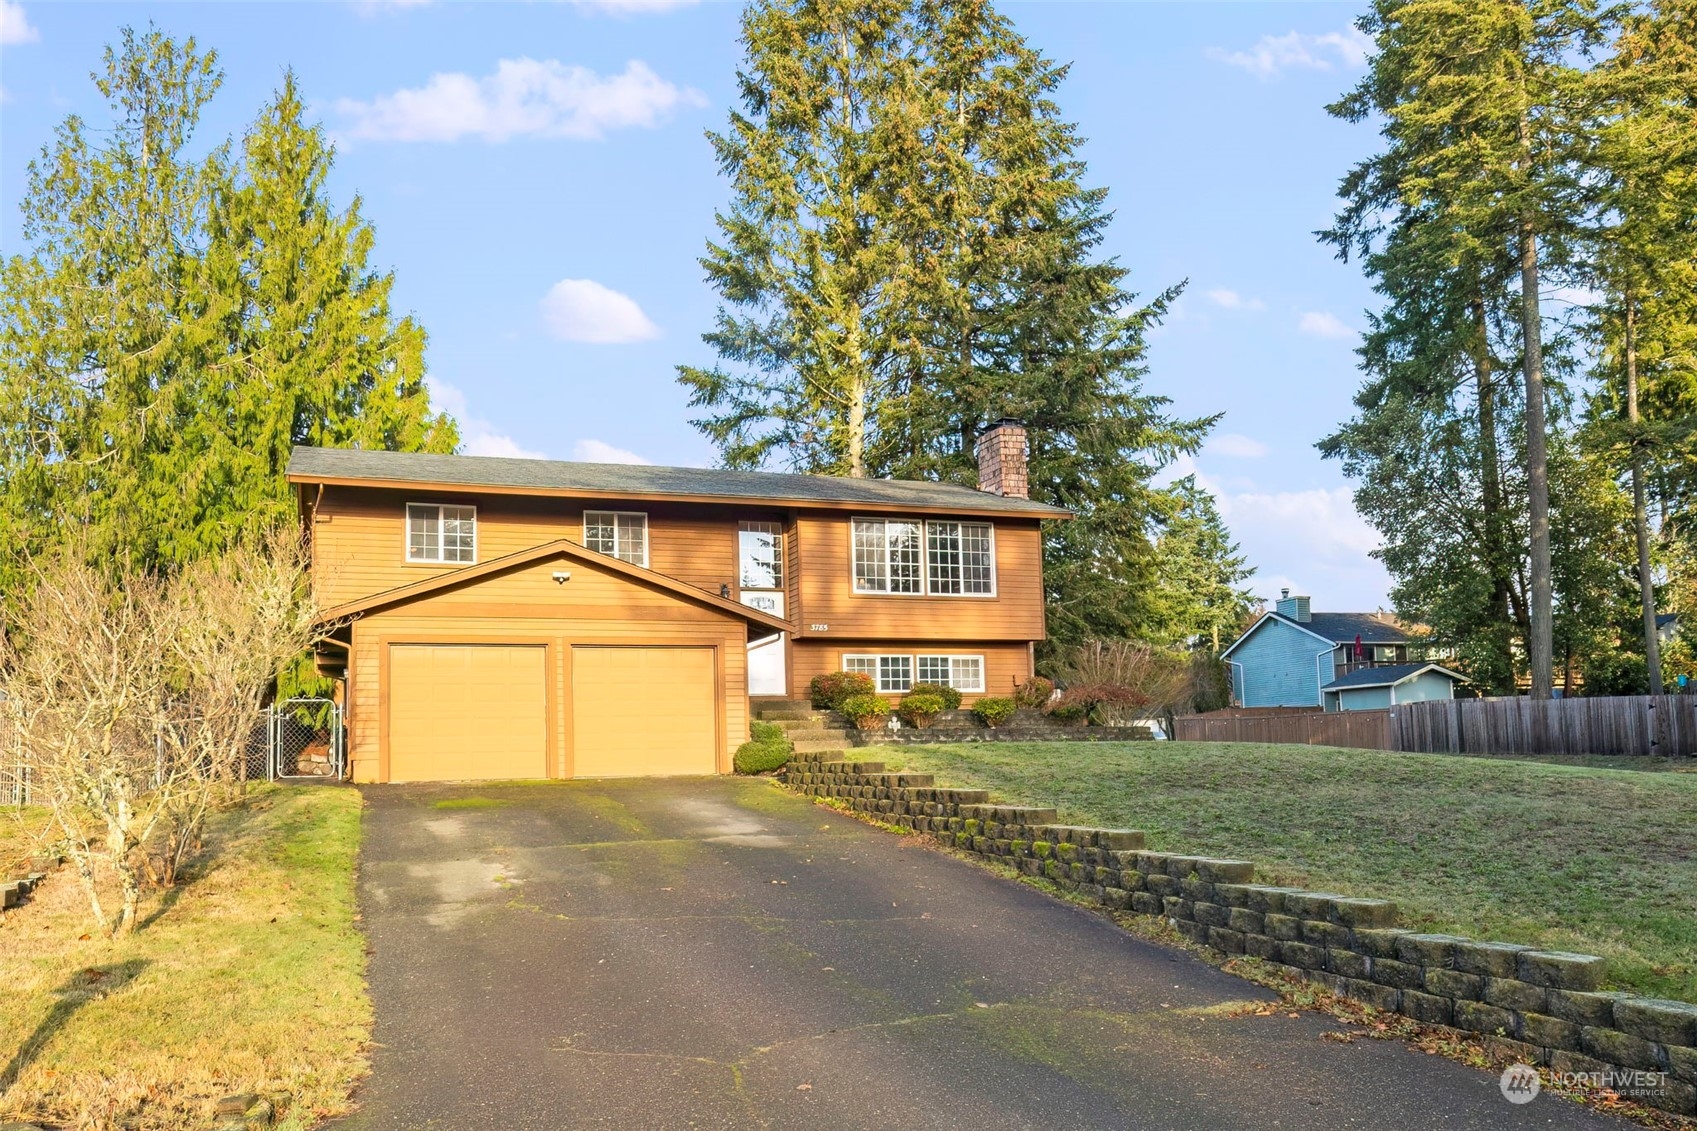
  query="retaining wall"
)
[{"x": 1544, "y": 1007}]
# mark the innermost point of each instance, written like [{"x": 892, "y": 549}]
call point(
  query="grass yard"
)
[
  {"x": 1601, "y": 861},
  {"x": 248, "y": 977}
]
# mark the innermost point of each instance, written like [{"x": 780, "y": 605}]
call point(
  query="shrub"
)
[
  {"x": 829, "y": 690},
  {"x": 949, "y": 696},
  {"x": 755, "y": 757},
  {"x": 1069, "y": 709},
  {"x": 993, "y": 711},
  {"x": 865, "y": 711},
  {"x": 766, "y": 732},
  {"x": 1034, "y": 692},
  {"x": 921, "y": 708}
]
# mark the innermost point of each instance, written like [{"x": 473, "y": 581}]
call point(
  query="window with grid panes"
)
[
  {"x": 437, "y": 533},
  {"x": 963, "y": 673},
  {"x": 887, "y": 556},
  {"x": 619, "y": 534},
  {"x": 958, "y": 558}
]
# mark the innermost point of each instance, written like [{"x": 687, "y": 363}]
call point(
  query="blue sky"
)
[{"x": 539, "y": 182}]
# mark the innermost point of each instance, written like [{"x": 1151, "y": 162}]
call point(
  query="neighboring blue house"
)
[{"x": 1294, "y": 657}]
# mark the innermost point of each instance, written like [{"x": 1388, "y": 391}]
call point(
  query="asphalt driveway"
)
[{"x": 717, "y": 953}]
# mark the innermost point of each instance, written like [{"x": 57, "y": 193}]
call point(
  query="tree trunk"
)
[
  {"x": 1640, "y": 517},
  {"x": 1491, "y": 488},
  {"x": 1540, "y": 648},
  {"x": 857, "y": 428}
]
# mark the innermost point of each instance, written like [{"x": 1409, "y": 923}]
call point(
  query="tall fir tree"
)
[
  {"x": 1478, "y": 105},
  {"x": 952, "y": 278},
  {"x": 178, "y": 323},
  {"x": 1201, "y": 572}
]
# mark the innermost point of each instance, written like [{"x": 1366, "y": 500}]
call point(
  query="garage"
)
[
  {"x": 643, "y": 711},
  {"x": 467, "y": 711}
]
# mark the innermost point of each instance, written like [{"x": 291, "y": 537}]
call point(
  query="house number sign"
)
[{"x": 819, "y": 627}]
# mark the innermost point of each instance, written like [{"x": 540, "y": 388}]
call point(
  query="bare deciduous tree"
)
[{"x": 132, "y": 697}]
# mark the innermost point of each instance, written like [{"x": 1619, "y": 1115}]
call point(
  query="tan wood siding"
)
[
  {"x": 1005, "y": 665},
  {"x": 359, "y": 536},
  {"x": 643, "y": 711},
  {"x": 827, "y": 593},
  {"x": 464, "y": 712}
]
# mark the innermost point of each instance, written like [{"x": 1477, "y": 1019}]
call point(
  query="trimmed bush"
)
[
  {"x": 755, "y": 757},
  {"x": 949, "y": 696},
  {"x": 993, "y": 711},
  {"x": 829, "y": 690},
  {"x": 921, "y": 708},
  {"x": 766, "y": 732},
  {"x": 1034, "y": 692},
  {"x": 1069, "y": 709},
  {"x": 866, "y": 712}
]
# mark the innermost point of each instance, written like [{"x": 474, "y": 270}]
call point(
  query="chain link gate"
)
[{"x": 303, "y": 739}]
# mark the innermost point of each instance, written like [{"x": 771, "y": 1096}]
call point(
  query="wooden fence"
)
[
  {"x": 1659, "y": 725},
  {"x": 1370, "y": 730}
]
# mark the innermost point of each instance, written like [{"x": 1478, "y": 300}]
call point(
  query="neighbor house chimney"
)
[
  {"x": 1001, "y": 460},
  {"x": 1294, "y": 608}
]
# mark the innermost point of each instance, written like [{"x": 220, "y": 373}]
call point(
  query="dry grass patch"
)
[{"x": 247, "y": 977}]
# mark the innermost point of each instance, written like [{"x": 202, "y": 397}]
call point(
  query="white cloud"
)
[
  {"x": 478, "y": 437},
  {"x": 599, "y": 451},
  {"x": 631, "y": 7},
  {"x": 523, "y": 98},
  {"x": 14, "y": 25},
  {"x": 1272, "y": 54},
  {"x": 1574, "y": 296},
  {"x": 1231, "y": 300},
  {"x": 1324, "y": 324},
  {"x": 1236, "y": 446},
  {"x": 582, "y": 310}
]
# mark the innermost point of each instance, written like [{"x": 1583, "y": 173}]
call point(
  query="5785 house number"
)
[{"x": 819, "y": 628}]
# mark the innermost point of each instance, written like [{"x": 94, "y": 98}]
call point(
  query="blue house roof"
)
[{"x": 1387, "y": 676}]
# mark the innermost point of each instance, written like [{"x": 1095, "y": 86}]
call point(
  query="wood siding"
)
[
  {"x": 826, "y": 576},
  {"x": 1005, "y": 665},
  {"x": 526, "y": 606},
  {"x": 359, "y": 549},
  {"x": 1365, "y": 730}
]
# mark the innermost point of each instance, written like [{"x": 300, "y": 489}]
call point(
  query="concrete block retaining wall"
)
[{"x": 1544, "y": 1007}]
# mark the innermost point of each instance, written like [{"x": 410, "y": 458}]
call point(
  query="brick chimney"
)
[{"x": 1001, "y": 460}]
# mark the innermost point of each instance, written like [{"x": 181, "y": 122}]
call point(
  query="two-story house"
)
[
  {"x": 1295, "y": 657},
  {"x": 503, "y": 618}
]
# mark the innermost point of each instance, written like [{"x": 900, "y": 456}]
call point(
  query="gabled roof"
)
[
  {"x": 1331, "y": 628},
  {"x": 561, "y": 548},
  {"x": 1665, "y": 619},
  {"x": 1387, "y": 676},
  {"x": 641, "y": 481}
]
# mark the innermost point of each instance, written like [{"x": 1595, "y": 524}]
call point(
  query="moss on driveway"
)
[{"x": 1577, "y": 858}]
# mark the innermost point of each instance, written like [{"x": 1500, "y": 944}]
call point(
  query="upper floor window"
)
[
  {"x": 618, "y": 534},
  {"x": 886, "y": 556},
  {"x": 941, "y": 558},
  {"x": 437, "y": 533},
  {"x": 760, "y": 554},
  {"x": 958, "y": 558}
]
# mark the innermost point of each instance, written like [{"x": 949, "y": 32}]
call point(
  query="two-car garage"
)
[{"x": 441, "y": 690}]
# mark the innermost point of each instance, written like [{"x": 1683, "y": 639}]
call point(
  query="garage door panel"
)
[
  {"x": 467, "y": 712},
  {"x": 640, "y": 711}
]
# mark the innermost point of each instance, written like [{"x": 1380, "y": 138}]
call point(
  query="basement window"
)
[
  {"x": 963, "y": 673},
  {"x": 891, "y": 673},
  {"x": 437, "y": 533}
]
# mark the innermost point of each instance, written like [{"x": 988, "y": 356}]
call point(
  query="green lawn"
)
[
  {"x": 247, "y": 978},
  {"x": 1596, "y": 860}
]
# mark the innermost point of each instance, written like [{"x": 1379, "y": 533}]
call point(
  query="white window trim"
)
[
  {"x": 765, "y": 527},
  {"x": 983, "y": 675},
  {"x": 647, "y": 533},
  {"x": 877, "y": 679},
  {"x": 924, "y": 560},
  {"x": 913, "y": 659},
  {"x": 406, "y": 534}
]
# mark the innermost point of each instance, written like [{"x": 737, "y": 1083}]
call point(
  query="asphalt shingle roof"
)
[
  {"x": 622, "y": 480},
  {"x": 1377, "y": 676},
  {"x": 1342, "y": 628}
]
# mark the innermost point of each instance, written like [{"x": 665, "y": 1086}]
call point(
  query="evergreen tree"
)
[
  {"x": 1201, "y": 572},
  {"x": 1478, "y": 105},
  {"x": 177, "y": 324},
  {"x": 950, "y": 278}
]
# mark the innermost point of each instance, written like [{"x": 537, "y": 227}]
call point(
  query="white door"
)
[{"x": 766, "y": 666}]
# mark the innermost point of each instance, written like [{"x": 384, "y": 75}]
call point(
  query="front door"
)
[{"x": 760, "y": 585}]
